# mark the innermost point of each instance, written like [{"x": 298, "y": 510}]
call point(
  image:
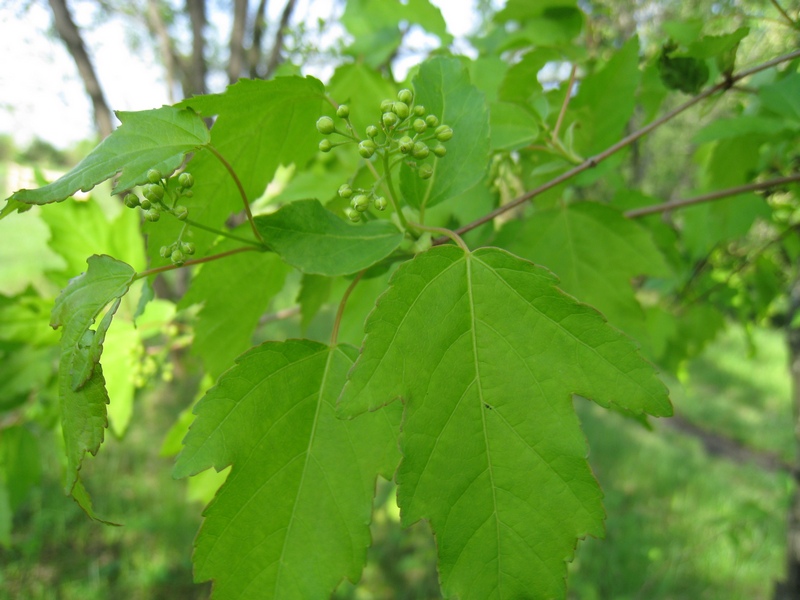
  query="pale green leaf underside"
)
[
  {"x": 493, "y": 454},
  {"x": 148, "y": 139},
  {"x": 293, "y": 517},
  {"x": 316, "y": 241},
  {"x": 81, "y": 387}
]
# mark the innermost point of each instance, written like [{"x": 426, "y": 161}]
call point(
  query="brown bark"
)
[
  {"x": 71, "y": 36},
  {"x": 196, "y": 81},
  {"x": 155, "y": 23},
  {"x": 259, "y": 24},
  {"x": 275, "y": 58},
  {"x": 789, "y": 589},
  {"x": 236, "y": 62}
]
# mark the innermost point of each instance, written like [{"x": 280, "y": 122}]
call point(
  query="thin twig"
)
[
  {"x": 566, "y": 101},
  {"x": 192, "y": 262},
  {"x": 340, "y": 312},
  {"x": 784, "y": 14},
  {"x": 741, "y": 189},
  {"x": 240, "y": 187},
  {"x": 626, "y": 141}
]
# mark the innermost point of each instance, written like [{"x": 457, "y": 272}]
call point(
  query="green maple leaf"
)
[
  {"x": 81, "y": 387},
  {"x": 493, "y": 453},
  {"x": 595, "y": 251},
  {"x": 148, "y": 139},
  {"x": 234, "y": 293},
  {"x": 293, "y": 517},
  {"x": 316, "y": 241},
  {"x": 443, "y": 87}
]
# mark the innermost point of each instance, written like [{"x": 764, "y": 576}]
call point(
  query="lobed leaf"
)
[
  {"x": 595, "y": 251},
  {"x": 316, "y": 241},
  {"x": 81, "y": 387},
  {"x": 493, "y": 454},
  {"x": 147, "y": 139},
  {"x": 293, "y": 517},
  {"x": 443, "y": 87}
]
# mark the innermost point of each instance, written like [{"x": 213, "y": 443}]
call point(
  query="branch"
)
[
  {"x": 195, "y": 261},
  {"x": 340, "y": 311},
  {"x": 71, "y": 36},
  {"x": 626, "y": 141},
  {"x": 784, "y": 14},
  {"x": 734, "y": 191},
  {"x": 277, "y": 46}
]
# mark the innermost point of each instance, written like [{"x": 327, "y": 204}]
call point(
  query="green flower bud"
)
[
  {"x": 187, "y": 248},
  {"x": 400, "y": 109},
  {"x": 146, "y": 204},
  {"x": 352, "y": 214},
  {"x": 440, "y": 150},
  {"x": 373, "y": 131},
  {"x": 325, "y": 125},
  {"x": 177, "y": 257},
  {"x": 406, "y": 144},
  {"x": 420, "y": 150},
  {"x": 366, "y": 148},
  {"x": 420, "y": 125},
  {"x": 425, "y": 172},
  {"x": 432, "y": 120},
  {"x": 405, "y": 96},
  {"x": 444, "y": 133},
  {"x": 386, "y": 105},
  {"x": 186, "y": 180},
  {"x": 343, "y": 111},
  {"x": 419, "y": 110},
  {"x": 188, "y": 193},
  {"x": 325, "y": 146},
  {"x": 154, "y": 176},
  {"x": 345, "y": 191},
  {"x": 381, "y": 203},
  {"x": 131, "y": 200},
  {"x": 164, "y": 251},
  {"x": 389, "y": 120},
  {"x": 181, "y": 212},
  {"x": 360, "y": 202},
  {"x": 153, "y": 192},
  {"x": 152, "y": 215}
]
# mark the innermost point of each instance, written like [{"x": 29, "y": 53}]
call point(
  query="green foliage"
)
[
  {"x": 336, "y": 213},
  {"x": 81, "y": 386},
  {"x": 486, "y": 400},
  {"x": 316, "y": 241},
  {"x": 273, "y": 417},
  {"x": 150, "y": 139}
]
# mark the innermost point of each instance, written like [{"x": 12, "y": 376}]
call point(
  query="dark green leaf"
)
[
  {"x": 316, "y": 241},
  {"x": 148, "y": 139}
]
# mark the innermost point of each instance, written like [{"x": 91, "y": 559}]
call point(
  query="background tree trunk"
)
[
  {"x": 196, "y": 80},
  {"x": 71, "y": 36},
  {"x": 236, "y": 62}
]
